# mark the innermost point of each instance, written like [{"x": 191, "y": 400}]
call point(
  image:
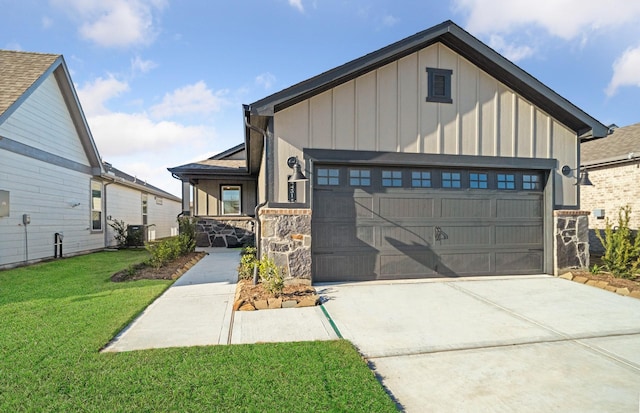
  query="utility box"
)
[
  {"x": 598, "y": 213},
  {"x": 136, "y": 235},
  {"x": 4, "y": 203}
]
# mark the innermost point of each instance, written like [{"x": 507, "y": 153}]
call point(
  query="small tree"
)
[
  {"x": 621, "y": 247},
  {"x": 120, "y": 235},
  {"x": 187, "y": 227}
]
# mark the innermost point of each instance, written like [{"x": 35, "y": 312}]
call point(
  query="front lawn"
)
[{"x": 55, "y": 317}]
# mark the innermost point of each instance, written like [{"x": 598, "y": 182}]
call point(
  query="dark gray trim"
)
[
  {"x": 43, "y": 156},
  {"x": 230, "y": 151},
  {"x": 454, "y": 37},
  {"x": 548, "y": 228},
  {"x": 270, "y": 162},
  {"x": 350, "y": 157}
]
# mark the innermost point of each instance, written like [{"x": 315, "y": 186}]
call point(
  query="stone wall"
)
[
  {"x": 571, "y": 240},
  {"x": 286, "y": 238},
  {"x": 613, "y": 187},
  {"x": 225, "y": 232}
]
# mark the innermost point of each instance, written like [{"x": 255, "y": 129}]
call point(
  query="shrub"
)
[
  {"x": 167, "y": 250},
  {"x": 120, "y": 229},
  {"x": 247, "y": 262},
  {"x": 187, "y": 227},
  {"x": 270, "y": 276},
  {"x": 621, "y": 247}
]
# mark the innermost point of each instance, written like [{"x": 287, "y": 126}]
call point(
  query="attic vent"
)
[{"x": 439, "y": 85}]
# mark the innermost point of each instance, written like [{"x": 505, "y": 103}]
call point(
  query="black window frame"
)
[
  {"x": 421, "y": 179},
  {"x": 395, "y": 181},
  {"x": 506, "y": 181},
  {"x": 224, "y": 187},
  {"x": 433, "y": 93},
  {"x": 359, "y": 179},
  {"x": 478, "y": 180},
  {"x": 451, "y": 180},
  {"x": 536, "y": 183}
]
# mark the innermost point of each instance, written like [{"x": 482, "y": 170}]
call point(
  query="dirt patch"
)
[
  {"x": 631, "y": 284},
  {"x": 170, "y": 271}
]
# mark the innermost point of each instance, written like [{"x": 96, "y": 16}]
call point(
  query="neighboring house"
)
[
  {"x": 433, "y": 156},
  {"x": 52, "y": 181},
  {"x": 137, "y": 203},
  {"x": 613, "y": 165}
]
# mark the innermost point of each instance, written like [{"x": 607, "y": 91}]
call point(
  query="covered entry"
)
[{"x": 391, "y": 222}]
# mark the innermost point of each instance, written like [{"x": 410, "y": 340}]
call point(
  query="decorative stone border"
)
[
  {"x": 601, "y": 284},
  {"x": 180, "y": 271},
  {"x": 271, "y": 303}
]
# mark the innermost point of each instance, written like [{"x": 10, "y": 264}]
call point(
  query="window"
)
[
  {"x": 478, "y": 181},
  {"x": 327, "y": 176},
  {"x": 506, "y": 181},
  {"x": 231, "y": 200},
  {"x": 96, "y": 206},
  {"x": 359, "y": 177},
  {"x": 145, "y": 205},
  {"x": 392, "y": 178},
  {"x": 451, "y": 180},
  {"x": 439, "y": 85},
  {"x": 421, "y": 179},
  {"x": 531, "y": 182}
]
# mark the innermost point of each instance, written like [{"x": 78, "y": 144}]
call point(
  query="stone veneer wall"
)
[
  {"x": 225, "y": 232},
  {"x": 286, "y": 238},
  {"x": 571, "y": 240},
  {"x": 613, "y": 187}
]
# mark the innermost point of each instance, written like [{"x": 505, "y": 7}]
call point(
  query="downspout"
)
[
  {"x": 106, "y": 231},
  {"x": 258, "y": 207}
]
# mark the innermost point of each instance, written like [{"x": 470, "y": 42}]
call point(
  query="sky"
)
[{"x": 162, "y": 82}]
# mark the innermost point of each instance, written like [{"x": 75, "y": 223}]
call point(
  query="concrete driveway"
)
[{"x": 507, "y": 344}]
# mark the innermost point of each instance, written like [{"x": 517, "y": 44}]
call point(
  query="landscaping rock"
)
[
  {"x": 635, "y": 294},
  {"x": 308, "y": 301},
  {"x": 623, "y": 291},
  {"x": 274, "y": 303},
  {"x": 237, "y": 304},
  {"x": 247, "y": 307},
  {"x": 567, "y": 276},
  {"x": 261, "y": 304},
  {"x": 289, "y": 304},
  {"x": 580, "y": 280}
]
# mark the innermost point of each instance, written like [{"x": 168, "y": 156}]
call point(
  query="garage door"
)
[{"x": 389, "y": 223}]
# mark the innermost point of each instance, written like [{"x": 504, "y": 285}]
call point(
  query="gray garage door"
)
[{"x": 387, "y": 223}]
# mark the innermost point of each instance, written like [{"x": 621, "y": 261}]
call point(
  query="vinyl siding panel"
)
[{"x": 208, "y": 196}]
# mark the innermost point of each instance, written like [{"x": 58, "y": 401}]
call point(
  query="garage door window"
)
[
  {"x": 421, "y": 179},
  {"x": 328, "y": 176},
  {"x": 359, "y": 177},
  {"x": 478, "y": 181},
  {"x": 451, "y": 180},
  {"x": 506, "y": 181},
  {"x": 392, "y": 178},
  {"x": 531, "y": 182}
]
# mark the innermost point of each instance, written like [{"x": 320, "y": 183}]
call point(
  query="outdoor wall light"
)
[
  {"x": 583, "y": 179},
  {"x": 294, "y": 164}
]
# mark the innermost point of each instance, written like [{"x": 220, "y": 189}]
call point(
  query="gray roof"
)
[
  {"x": 124, "y": 178},
  {"x": 621, "y": 146},
  {"x": 460, "y": 41},
  {"x": 217, "y": 164},
  {"x": 18, "y": 72}
]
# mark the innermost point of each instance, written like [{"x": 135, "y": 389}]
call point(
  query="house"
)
[
  {"x": 53, "y": 185},
  {"x": 433, "y": 156},
  {"x": 613, "y": 166}
]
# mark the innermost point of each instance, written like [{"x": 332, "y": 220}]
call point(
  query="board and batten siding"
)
[
  {"x": 386, "y": 110},
  {"x": 207, "y": 196},
  {"x": 43, "y": 190}
]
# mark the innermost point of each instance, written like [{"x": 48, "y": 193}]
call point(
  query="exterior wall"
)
[
  {"x": 286, "y": 238},
  {"x": 125, "y": 203},
  {"x": 571, "y": 241},
  {"x": 207, "y": 196},
  {"x": 613, "y": 187},
  {"x": 385, "y": 110},
  {"x": 47, "y": 193}
]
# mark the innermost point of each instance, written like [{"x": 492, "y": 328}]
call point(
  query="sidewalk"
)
[{"x": 197, "y": 311}]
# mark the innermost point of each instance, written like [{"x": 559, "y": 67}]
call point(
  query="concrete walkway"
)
[
  {"x": 197, "y": 311},
  {"x": 526, "y": 344}
]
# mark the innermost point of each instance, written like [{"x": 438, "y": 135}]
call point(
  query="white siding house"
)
[{"x": 52, "y": 181}]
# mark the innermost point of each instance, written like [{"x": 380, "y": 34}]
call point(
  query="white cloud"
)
[
  {"x": 388, "y": 20},
  {"x": 93, "y": 95},
  {"x": 266, "y": 80},
  {"x": 142, "y": 66},
  {"x": 196, "y": 98},
  {"x": 626, "y": 71},
  {"x": 297, "y": 4},
  {"x": 115, "y": 23},
  {"x": 510, "y": 50},
  {"x": 567, "y": 19},
  {"x": 47, "y": 22}
]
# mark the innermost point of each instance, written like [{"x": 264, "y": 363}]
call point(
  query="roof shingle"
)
[{"x": 621, "y": 143}]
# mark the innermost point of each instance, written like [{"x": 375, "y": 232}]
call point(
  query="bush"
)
[
  {"x": 621, "y": 247},
  {"x": 187, "y": 227},
  {"x": 167, "y": 250},
  {"x": 120, "y": 229},
  {"x": 270, "y": 276},
  {"x": 247, "y": 262}
]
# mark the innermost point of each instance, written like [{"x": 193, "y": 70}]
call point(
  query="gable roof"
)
[
  {"x": 21, "y": 73},
  {"x": 623, "y": 145},
  {"x": 463, "y": 43},
  {"x": 218, "y": 164},
  {"x": 123, "y": 178}
]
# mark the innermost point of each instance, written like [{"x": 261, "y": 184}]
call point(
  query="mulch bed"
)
[
  {"x": 251, "y": 297},
  {"x": 631, "y": 284},
  {"x": 171, "y": 271}
]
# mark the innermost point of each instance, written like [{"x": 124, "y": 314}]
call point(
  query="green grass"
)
[{"x": 55, "y": 317}]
